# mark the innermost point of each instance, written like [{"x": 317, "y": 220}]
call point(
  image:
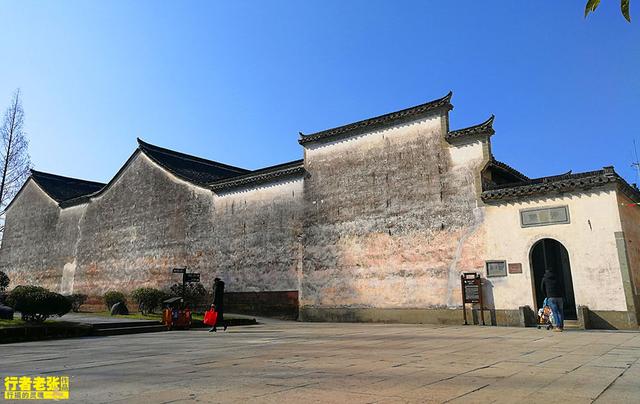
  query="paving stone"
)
[{"x": 281, "y": 362}]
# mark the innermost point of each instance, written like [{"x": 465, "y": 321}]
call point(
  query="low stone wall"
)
[
  {"x": 410, "y": 316},
  {"x": 279, "y": 304},
  {"x": 611, "y": 320},
  {"x": 604, "y": 320}
]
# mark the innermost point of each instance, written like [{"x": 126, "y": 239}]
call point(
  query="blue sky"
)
[{"x": 235, "y": 81}]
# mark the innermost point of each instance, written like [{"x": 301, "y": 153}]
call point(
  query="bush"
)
[
  {"x": 77, "y": 300},
  {"x": 36, "y": 304},
  {"x": 194, "y": 294},
  {"x": 4, "y": 281},
  {"x": 113, "y": 297},
  {"x": 148, "y": 299}
]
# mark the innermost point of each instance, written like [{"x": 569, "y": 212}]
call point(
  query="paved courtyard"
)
[{"x": 282, "y": 362}]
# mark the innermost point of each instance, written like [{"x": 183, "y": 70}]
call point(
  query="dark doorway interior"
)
[{"x": 551, "y": 253}]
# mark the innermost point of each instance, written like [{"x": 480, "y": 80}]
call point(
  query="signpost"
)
[
  {"x": 186, "y": 277},
  {"x": 471, "y": 292}
]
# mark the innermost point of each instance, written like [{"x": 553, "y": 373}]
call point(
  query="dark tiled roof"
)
[
  {"x": 64, "y": 188},
  {"x": 190, "y": 168},
  {"x": 485, "y": 128},
  {"x": 379, "y": 121},
  {"x": 508, "y": 169},
  {"x": 561, "y": 183},
  {"x": 263, "y": 175}
]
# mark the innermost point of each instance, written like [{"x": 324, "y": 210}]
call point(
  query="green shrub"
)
[
  {"x": 113, "y": 297},
  {"x": 36, "y": 304},
  {"x": 77, "y": 300},
  {"x": 4, "y": 281},
  {"x": 148, "y": 299},
  {"x": 194, "y": 294}
]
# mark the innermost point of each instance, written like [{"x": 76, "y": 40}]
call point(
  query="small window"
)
[
  {"x": 544, "y": 216},
  {"x": 496, "y": 268}
]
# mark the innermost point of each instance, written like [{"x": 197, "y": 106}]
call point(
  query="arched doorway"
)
[{"x": 549, "y": 253}]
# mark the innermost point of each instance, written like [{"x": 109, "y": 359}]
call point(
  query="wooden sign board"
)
[
  {"x": 471, "y": 288},
  {"x": 515, "y": 268},
  {"x": 471, "y": 292},
  {"x": 192, "y": 277}
]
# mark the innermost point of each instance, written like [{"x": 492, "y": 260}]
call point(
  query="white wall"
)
[{"x": 589, "y": 239}]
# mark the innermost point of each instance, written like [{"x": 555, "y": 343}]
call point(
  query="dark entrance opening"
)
[{"x": 549, "y": 253}]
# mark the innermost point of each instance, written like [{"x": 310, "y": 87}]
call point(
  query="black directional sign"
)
[
  {"x": 192, "y": 277},
  {"x": 179, "y": 270}
]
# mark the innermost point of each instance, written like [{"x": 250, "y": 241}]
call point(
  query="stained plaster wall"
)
[
  {"x": 39, "y": 240},
  {"x": 149, "y": 221},
  {"x": 256, "y": 236},
  {"x": 391, "y": 218},
  {"x": 589, "y": 239}
]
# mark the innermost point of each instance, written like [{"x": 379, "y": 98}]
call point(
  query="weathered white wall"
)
[
  {"x": 39, "y": 239},
  {"x": 255, "y": 236},
  {"x": 468, "y": 155},
  {"x": 390, "y": 219},
  {"x": 595, "y": 268}
]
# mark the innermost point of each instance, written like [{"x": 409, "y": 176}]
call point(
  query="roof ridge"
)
[
  {"x": 484, "y": 128},
  {"x": 568, "y": 175},
  {"x": 507, "y": 167},
  {"x": 144, "y": 145},
  {"x": 259, "y": 176},
  {"x": 562, "y": 183},
  {"x": 443, "y": 102},
  {"x": 264, "y": 170},
  {"x": 62, "y": 177}
]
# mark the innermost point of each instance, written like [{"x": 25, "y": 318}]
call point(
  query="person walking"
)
[
  {"x": 552, "y": 290},
  {"x": 218, "y": 302}
]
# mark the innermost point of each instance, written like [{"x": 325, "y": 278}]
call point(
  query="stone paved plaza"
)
[{"x": 286, "y": 362}]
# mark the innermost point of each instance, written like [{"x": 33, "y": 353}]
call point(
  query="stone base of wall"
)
[
  {"x": 280, "y": 304},
  {"x": 612, "y": 320},
  {"x": 411, "y": 316},
  {"x": 513, "y": 318}
]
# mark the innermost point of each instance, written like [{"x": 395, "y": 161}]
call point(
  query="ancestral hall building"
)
[{"x": 375, "y": 223}]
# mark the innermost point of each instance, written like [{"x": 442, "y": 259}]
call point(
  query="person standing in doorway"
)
[
  {"x": 552, "y": 290},
  {"x": 218, "y": 302}
]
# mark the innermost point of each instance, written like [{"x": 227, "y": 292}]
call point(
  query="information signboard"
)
[{"x": 471, "y": 292}]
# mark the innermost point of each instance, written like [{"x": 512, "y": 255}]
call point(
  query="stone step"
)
[
  {"x": 572, "y": 325},
  {"x": 123, "y": 324},
  {"x": 128, "y": 330}
]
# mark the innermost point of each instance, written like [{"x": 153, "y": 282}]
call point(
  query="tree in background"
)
[
  {"x": 593, "y": 4},
  {"x": 14, "y": 156}
]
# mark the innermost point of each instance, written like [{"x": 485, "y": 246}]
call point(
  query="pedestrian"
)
[
  {"x": 552, "y": 290},
  {"x": 218, "y": 302}
]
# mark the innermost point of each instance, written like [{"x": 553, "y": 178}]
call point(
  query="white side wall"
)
[{"x": 589, "y": 239}]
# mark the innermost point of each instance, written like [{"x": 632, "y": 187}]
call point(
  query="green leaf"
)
[
  {"x": 591, "y": 6},
  {"x": 624, "y": 5}
]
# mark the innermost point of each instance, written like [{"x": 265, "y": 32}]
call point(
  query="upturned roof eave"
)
[
  {"x": 483, "y": 129},
  {"x": 263, "y": 175},
  {"x": 379, "y": 121},
  {"x": 579, "y": 182}
]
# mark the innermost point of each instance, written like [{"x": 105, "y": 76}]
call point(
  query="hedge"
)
[
  {"x": 113, "y": 297},
  {"x": 36, "y": 304}
]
